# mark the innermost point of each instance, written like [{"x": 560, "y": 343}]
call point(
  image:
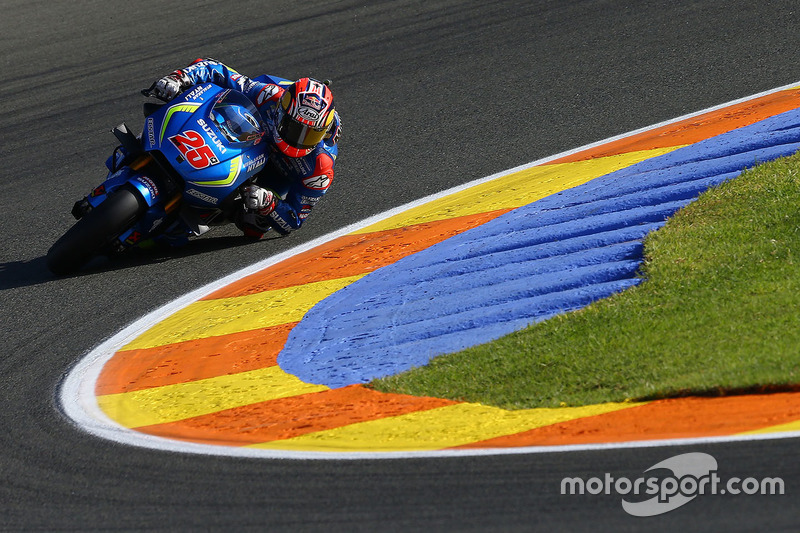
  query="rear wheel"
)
[{"x": 94, "y": 231}]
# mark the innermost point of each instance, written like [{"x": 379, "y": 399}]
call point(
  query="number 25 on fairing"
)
[{"x": 194, "y": 148}]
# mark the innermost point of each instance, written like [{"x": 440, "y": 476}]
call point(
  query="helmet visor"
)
[{"x": 297, "y": 134}]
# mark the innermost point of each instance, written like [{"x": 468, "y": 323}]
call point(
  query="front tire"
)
[{"x": 94, "y": 231}]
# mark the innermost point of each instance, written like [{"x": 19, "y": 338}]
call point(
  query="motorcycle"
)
[{"x": 179, "y": 178}]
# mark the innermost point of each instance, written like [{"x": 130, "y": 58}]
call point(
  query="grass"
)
[{"x": 718, "y": 312}]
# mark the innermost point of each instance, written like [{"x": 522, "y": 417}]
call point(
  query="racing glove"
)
[
  {"x": 170, "y": 86},
  {"x": 257, "y": 203},
  {"x": 258, "y": 200}
]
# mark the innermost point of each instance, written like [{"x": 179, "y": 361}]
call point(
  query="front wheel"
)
[{"x": 94, "y": 231}]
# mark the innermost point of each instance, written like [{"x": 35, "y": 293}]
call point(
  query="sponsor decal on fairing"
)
[
  {"x": 151, "y": 134},
  {"x": 213, "y": 135},
  {"x": 194, "y": 149},
  {"x": 202, "y": 196},
  {"x": 255, "y": 163},
  {"x": 150, "y": 184},
  {"x": 133, "y": 238}
]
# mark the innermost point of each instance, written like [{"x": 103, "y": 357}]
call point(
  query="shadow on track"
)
[{"x": 15, "y": 274}]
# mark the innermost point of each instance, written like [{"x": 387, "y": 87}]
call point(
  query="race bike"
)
[{"x": 180, "y": 177}]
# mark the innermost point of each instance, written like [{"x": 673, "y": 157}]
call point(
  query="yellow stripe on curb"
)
[
  {"x": 186, "y": 400},
  {"x": 780, "y": 428},
  {"x": 435, "y": 429},
  {"x": 515, "y": 190},
  {"x": 211, "y": 318}
]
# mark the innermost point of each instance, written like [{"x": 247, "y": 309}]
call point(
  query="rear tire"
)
[{"x": 94, "y": 231}]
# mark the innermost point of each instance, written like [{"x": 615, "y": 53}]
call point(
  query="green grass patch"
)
[{"x": 719, "y": 311}]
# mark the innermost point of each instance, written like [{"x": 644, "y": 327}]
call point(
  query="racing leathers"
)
[{"x": 293, "y": 184}]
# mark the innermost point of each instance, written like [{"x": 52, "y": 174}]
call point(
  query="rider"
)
[{"x": 303, "y": 131}]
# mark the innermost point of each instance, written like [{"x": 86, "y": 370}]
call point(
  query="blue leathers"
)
[{"x": 298, "y": 182}]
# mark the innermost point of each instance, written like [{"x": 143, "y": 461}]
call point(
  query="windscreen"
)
[{"x": 237, "y": 118}]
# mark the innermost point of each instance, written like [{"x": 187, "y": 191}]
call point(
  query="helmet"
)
[{"x": 303, "y": 116}]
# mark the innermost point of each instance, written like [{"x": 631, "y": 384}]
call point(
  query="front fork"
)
[{"x": 162, "y": 210}]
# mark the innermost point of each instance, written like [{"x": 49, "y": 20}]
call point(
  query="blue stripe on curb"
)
[{"x": 552, "y": 256}]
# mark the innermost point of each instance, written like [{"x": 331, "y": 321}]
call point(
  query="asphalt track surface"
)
[{"x": 433, "y": 94}]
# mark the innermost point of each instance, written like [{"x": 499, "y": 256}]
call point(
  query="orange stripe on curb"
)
[
  {"x": 286, "y": 418},
  {"x": 663, "y": 419},
  {"x": 352, "y": 255},
  {"x": 697, "y": 128},
  {"x": 192, "y": 360}
]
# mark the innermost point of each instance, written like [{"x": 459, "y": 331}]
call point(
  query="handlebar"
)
[{"x": 149, "y": 92}]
